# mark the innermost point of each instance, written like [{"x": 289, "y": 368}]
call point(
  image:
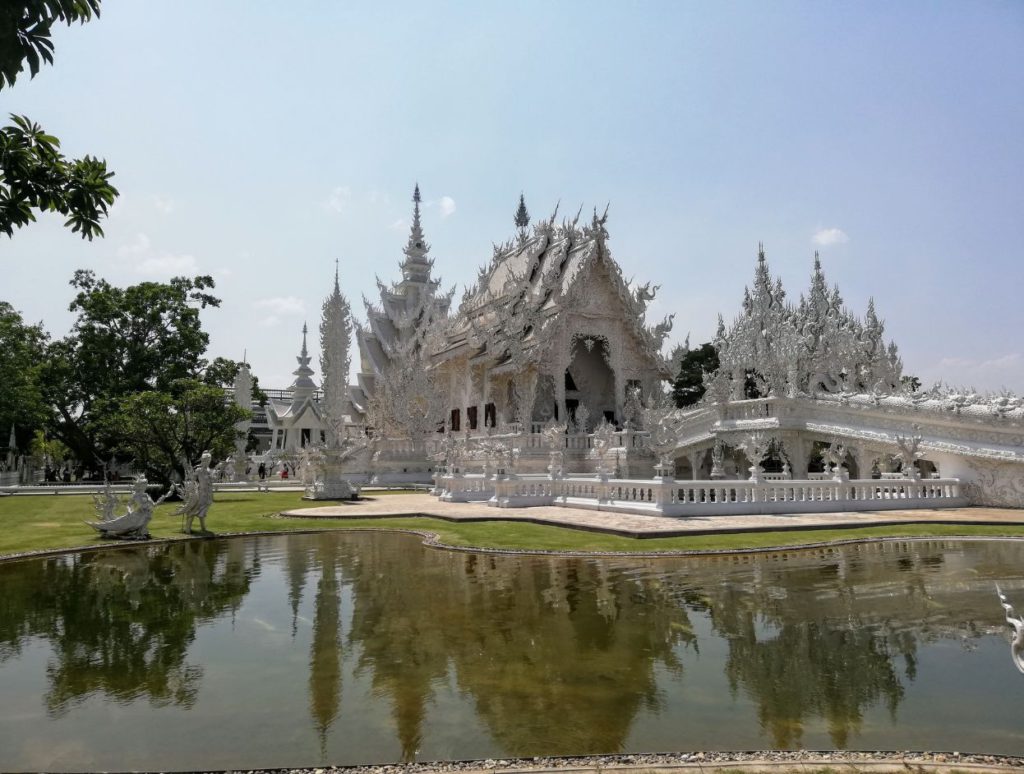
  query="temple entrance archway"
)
[{"x": 590, "y": 380}]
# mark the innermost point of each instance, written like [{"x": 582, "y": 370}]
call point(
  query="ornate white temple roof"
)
[
  {"x": 281, "y": 414},
  {"x": 407, "y": 310},
  {"x": 530, "y": 281}
]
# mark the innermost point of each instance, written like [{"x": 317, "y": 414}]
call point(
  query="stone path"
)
[{"x": 640, "y": 526}]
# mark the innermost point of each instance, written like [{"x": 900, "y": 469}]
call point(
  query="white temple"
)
[
  {"x": 547, "y": 386},
  {"x": 299, "y": 422},
  {"x": 396, "y": 329}
]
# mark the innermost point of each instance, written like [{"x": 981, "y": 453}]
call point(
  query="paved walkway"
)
[{"x": 640, "y": 526}]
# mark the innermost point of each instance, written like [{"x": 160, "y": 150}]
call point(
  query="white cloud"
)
[
  {"x": 399, "y": 225},
  {"x": 164, "y": 204},
  {"x": 447, "y": 206},
  {"x": 282, "y": 305},
  {"x": 339, "y": 199},
  {"x": 139, "y": 246},
  {"x": 992, "y": 374},
  {"x": 144, "y": 259},
  {"x": 270, "y": 322},
  {"x": 168, "y": 265},
  {"x": 829, "y": 236}
]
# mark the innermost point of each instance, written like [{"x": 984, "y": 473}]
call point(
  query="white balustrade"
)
[
  {"x": 749, "y": 409},
  {"x": 464, "y": 488},
  {"x": 720, "y": 497}
]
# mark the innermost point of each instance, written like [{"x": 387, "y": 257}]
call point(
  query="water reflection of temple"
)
[
  {"x": 541, "y": 655},
  {"x": 546, "y": 649},
  {"x": 830, "y": 633},
  {"x": 560, "y": 655}
]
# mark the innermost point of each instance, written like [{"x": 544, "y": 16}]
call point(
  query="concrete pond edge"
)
[
  {"x": 755, "y": 762},
  {"x": 434, "y": 540}
]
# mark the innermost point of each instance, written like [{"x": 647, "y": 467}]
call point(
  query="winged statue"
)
[{"x": 133, "y": 524}]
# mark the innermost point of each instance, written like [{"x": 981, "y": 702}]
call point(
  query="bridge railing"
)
[{"x": 668, "y": 497}]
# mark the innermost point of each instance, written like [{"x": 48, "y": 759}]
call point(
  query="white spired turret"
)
[
  {"x": 398, "y": 327},
  {"x": 297, "y": 423},
  {"x": 335, "y": 335}
]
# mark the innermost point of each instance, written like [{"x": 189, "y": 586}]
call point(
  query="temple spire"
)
[
  {"x": 335, "y": 335},
  {"x": 303, "y": 386},
  {"x": 416, "y": 266}
]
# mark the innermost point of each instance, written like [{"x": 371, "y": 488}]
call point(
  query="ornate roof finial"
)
[
  {"x": 303, "y": 386},
  {"x": 337, "y": 289},
  {"x": 817, "y": 261},
  {"x": 416, "y": 266},
  {"x": 760, "y": 252}
]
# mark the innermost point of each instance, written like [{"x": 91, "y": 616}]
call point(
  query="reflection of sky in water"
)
[{"x": 300, "y": 650}]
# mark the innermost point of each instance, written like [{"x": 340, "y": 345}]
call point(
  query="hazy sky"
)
[{"x": 260, "y": 141}]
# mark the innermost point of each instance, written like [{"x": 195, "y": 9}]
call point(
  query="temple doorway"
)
[{"x": 590, "y": 380}]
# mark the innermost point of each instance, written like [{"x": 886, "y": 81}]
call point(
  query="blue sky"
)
[{"x": 260, "y": 141}]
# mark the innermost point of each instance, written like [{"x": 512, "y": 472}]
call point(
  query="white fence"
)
[{"x": 701, "y": 498}]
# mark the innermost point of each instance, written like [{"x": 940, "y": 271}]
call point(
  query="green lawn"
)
[{"x": 53, "y": 522}]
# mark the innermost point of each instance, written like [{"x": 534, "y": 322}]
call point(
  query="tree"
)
[
  {"x": 221, "y": 372},
  {"x": 47, "y": 451},
  {"x": 522, "y": 219},
  {"x": 139, "y": 339},
  {"x": 25, "y": 32},
  {"x": 21, "y": 355},
  {"x": 158, "y": 430},
  {"x": 34, "y": 175},
  {"x": 688, "y": 387},
  {"x": 910, "y": 383}
]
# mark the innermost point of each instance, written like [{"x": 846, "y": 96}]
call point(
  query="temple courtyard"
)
[{"x": 648, "y": 526}]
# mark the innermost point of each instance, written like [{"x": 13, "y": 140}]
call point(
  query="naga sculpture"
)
[
  {"x": 134, "y": 523},
  {"x": 644, "y": 294},
  {"x": 1017, "y": 625},
  {"x": 196, "y": 493}
]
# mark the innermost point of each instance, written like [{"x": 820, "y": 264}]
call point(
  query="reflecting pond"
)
[{"x": 369, "y": 647}]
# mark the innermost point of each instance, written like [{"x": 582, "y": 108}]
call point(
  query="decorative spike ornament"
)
[{"x": 335, "y": 336}]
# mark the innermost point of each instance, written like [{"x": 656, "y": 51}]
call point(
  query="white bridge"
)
[{"x": 887, "y": 452}]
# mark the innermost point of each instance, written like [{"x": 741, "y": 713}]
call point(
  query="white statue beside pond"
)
[
  {"x": 196, "y": 494},
  {"x": 133, "y": 524}
]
